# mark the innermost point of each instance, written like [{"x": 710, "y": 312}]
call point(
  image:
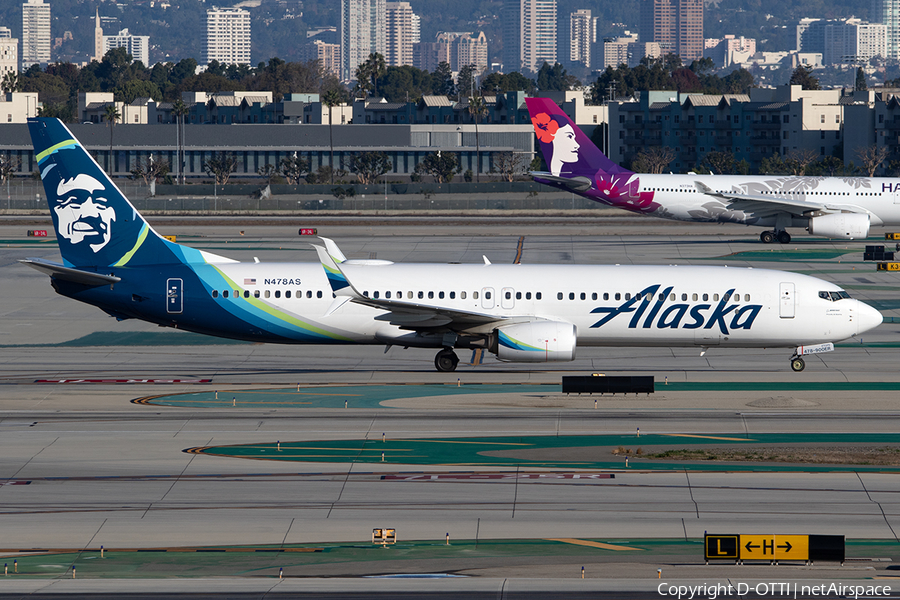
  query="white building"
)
[
  {"x": 137, "y": 46},
  {"x": 582, "y": 35},
  {"x": 729, "y": 50},
  {"x": 529, "y": 34},
  {"x": 227, "y": 36},
  {"x": 35, "y": 33},
  {"x": 17, "y": 107},
  {"x": 843, "y": 41},
  {"x": 363, "y": 29},
  {"x": 9, "y": 52},
  {"x": 402, "y": 32}
]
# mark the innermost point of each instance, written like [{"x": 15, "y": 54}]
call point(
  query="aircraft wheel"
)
[
  {"x": 767, "y": 237},
  {"x": 797, "y": 364},
  {"x": 446, "y": 360},
  {"x": 784, "y": 237}
]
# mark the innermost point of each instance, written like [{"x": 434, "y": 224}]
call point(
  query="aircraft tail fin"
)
[
  {"x": 568, "y": 152},
  {"x": 96, "y": 225}
]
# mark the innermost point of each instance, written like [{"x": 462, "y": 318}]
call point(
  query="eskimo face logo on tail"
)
[
  {"x": 83, "y": 212},
  {"x": 672, "y": 316}
]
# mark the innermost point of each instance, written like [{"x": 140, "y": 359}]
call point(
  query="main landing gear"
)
[
  {"x": 446, "y": 360},
  {"x": 769, "y": 237},
  {"x": 797, "y": 364}
]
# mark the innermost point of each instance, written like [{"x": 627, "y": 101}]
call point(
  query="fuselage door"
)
[
  {"x": 173, "y": 296},
  {"x": 507, "y": 298},
  {"x": 786, "y": 300},
  {"x": 487, "y": 297}
]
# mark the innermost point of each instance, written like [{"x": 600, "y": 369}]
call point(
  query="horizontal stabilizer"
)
[
  {"x": 68, "y": 274},
  {"x": 576, "y": 184}
]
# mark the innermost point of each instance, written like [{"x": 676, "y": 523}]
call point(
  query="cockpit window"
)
[{"x": 834, "y": 296}]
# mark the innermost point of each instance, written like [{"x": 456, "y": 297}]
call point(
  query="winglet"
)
[
  {"x": 339, "y": 283},
  {"x": 336, "y": 255}
]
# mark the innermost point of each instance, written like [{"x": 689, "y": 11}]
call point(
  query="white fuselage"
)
[{"x": 688, "y": 305}]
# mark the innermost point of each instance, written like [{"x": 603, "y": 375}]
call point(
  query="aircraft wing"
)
[
  {"x": 69, "y": 274},
  {"x": 760, "y": 204}
]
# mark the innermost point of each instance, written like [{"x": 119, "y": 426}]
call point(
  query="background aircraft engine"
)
[
  {"x": 537, "y": 341},
  {"x": 845, "y": 226}
]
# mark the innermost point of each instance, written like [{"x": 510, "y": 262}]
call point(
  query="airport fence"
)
[{"x": 28, "y": 195}]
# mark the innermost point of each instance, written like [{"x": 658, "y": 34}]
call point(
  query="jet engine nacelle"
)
[
  {"x": 845, "y": 226},
  {"x": 536, "y": 341}
]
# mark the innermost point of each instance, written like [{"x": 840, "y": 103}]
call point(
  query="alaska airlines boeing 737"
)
[
  {"x": 113, "y": 259},
  {"x": 833, "y": 207}
]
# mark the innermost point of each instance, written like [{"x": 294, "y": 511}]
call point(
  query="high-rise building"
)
[
  {"x": 529, "y": 34},
  {"x": 469, "y": 49},
  {"x": 98, "y": 38},
  {"x": 362, "y": 33},
  {"x": 138, "y": 46},
  {"x": 842, "y": 41},
  {"x": 402, "y": 32},
  {"x": 328, "y": 55},
  {"x": 887, "y": 12},
  {"x": 35, "y": 33},
  {"x": 227, "y": 36},
  {"x": 9, "y": 52},
  {"x": 580, "y": 34},
  {"x": 676, "y": 25}
]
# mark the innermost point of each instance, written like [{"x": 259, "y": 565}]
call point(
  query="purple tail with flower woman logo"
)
[{"x": 575, "y": 164}]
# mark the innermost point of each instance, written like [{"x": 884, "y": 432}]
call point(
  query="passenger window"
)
[
  {"x": 309, "y": 294},
  {"x": 287, "y": 294},
  {"x": 256, "y": 293},
  {"x": 618, "y": 296},
  {"x": 715, "y": 297},
  {"x": 606, "y": 295},
  {"x": 268, "y": 293},
  {"x": 319, "y": 294},
  {"x": 594, "y": 296},
  {"x": 215, "y": 293},
  {"x": 694, "y": 297},
  {"x": 518, "y": 295},
  {"x": 246, "y": 293},
  {"x": 430, "y": 295},
  {"x": 441, "y": 295},
  {"x": 299, "y": 294},
  {"x": 487, "y": 295},
  {"x": 225, "y": 294},
  {"x": 452, "y": 295},
  {"x": 705, "y": 297},
  {"x": 571, "y": 295},
  {"x": 528, "y": 295},
  {"x": 684, "y": 297},
  {"x": 746, "y": 297},
  {"x": 559, "y": 295},
  {"x": 583, "y": 296},
  {"x": 409, "y": 295},
  {"x": 421, "y": 295},
  {"x": 475, "y": 295},
  {"x": 399, "y": 295},
  {"x": 726, "y": 298},
  {"x": 237, "y": 293},
  {"x": 672, "y": 297},
  {"x": 462, "y": 295},
  {"x": 537, "y": 296},
  {"x": 628, "y": 296},
  {"x": 278, "y": 293},
  {"x": 387, "y": 294}
]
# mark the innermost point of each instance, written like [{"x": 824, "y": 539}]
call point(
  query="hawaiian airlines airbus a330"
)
[
  {"x": 833, "y": 207},
  {"x": 114, "y": 260}
]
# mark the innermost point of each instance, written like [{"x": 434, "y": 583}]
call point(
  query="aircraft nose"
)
[{"x": 867, "y": 317}]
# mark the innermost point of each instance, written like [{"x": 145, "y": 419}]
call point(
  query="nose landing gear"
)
[
  {"x": 446, "y": 360},
  {"x": 797, "y": 363}
]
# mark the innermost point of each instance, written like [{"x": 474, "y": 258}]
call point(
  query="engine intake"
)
[
  {"x": 535, "y": 341},
  {"x": 845, "y": 226}
]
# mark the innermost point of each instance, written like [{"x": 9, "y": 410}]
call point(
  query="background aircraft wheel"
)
[
  {"x": 784, "y": 237},
  {"x": 797, "y": 364},
  {"x": 767, "y": 237},
  {"x": 446, "y": 360}
]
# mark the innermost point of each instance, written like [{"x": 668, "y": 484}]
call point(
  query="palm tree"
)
[
  {"x": 111, "y": 112},
  {"x": 478, "y": 109},
  {"x": 332, "y": 98},
  {"x": 179, "y": 109}
]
